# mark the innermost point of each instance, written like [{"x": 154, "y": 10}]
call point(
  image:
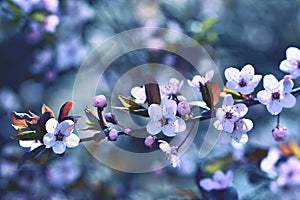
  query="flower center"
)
[
  {"x": 242, "y": 83},
  {"x": 298, "y": 64},
  {"x": 275, "y": 95},
  {"x": 59, "y": 136},
  {"x": 164, "y": 121},
  {"x": 228, "y": 115}
]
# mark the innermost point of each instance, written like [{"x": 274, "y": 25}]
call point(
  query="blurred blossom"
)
[
  {"x": 171, "y": 153},
  {"x": 35, "y": 32},
  {"x": 9, "y": 100},
  {"x": 212, "y": 8},
  {"x": 30, "y": 143},
  {"x": 197, "y": 80},
  {"x": 30, "y": 89},
  {"x": 80, "y": 10},
  {"x": 188, "y": 160},
  {"x": 42, "y": 59},
  {"x": 8, "y": 169},
  {"x": 292, "y": 63},
  {"x": 268, "y": 164},
  {"x": 70, "y": 53},
  {"x": 219, "y": 181},
  {"x": 62, "y": 172},
  {"x": 173, "y": 87},
  {"x": 259, "y": 37},
  {"x": 51, "y": 5},
  {"x": 50, "y": 23},
  {"x": 289, "y": 173},
  {"x": 25, "y": 5}
]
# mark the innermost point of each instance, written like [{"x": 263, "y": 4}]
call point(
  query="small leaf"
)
[
  {"x": 35, "y": 117},
  {"x": 47, "y": 109},
  {"x": 210, "y": 93},
  {"x": 37, "y": 16},
  {"x": 20, "y": 129},
  {"x": 234, "y": 94},
  {"x": 93, "y": 119},
  {"x": 91, "y": 129},
  {"x": 187, "y": 192},
  {"x": 18, "y": 122},
  {"x": 218, "y": 164},
  {"x": 31, "y": 155},
  {"x": 295, "y": 148},
  {"x": 200, "y": 104},
  {"x": 142, "y": 112},
  {"x": 129, "y": 102},
  {"x": 208, "y": 24},
  {"x": 65, "y": 110},
  {"x": 27, "y": 135},
  {"x": 152, "y": 90}
]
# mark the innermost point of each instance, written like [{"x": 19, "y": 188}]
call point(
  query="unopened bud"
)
[
  {"x": 113, "y": 134},
  {"x": 279, "y": 133},
  {"x": 100, "y": 101},
  {"x": 149, "y": 141},
  {"x": 183, "y": 108},
  {"x": 109, "y": 117}
]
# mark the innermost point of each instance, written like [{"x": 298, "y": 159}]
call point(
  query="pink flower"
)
[
  {"x": 279, "y": 133},
  {"x": 113, "y": 135},
  {"x": 149, "y": 141},
  {"x": 219, "y": 181},
  {"x": 100, "y": 101}
]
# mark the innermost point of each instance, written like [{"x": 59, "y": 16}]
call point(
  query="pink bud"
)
[
  {"x": 279, "y": 133},
  {"x": 127, "y": 130},
  {"x": 100, "y": 101},
  {"x": 113, "y": 134},
  {"x": 183, "y": 108},
  {"x": 149, "y": 141},
  {"x": 109, "y": 117}
]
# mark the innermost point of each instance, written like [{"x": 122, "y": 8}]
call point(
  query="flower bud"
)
[
  {"x": 149, "y": 141},
  {"x": 109, "y": 117},
  {"x": 183, "y": 108},
  {"x": 279, "y": 133},
  {"x": 113, "y": 135},
  {"x": 100, "y": 101},
  {"x": 127, "y": 130}
]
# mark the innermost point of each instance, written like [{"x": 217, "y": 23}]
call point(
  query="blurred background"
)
[{"x": 43, "y": 43}]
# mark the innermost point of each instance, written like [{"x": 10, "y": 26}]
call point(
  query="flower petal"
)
[
  {"x": 292, "y": 53},
  {"x": 271, "y": 84},
  {"x": 208, "y": 184},
  {"x": 240, "y": 137},
  {"x": 26, "y": 143},
  {"x": 228, "y": 126},
  {"x": 286, "y": 66},
  {"x": 49, "y": 140},
  {"x": 155, "y": 112},
  {"x": 153, "y": 127},
  {"x": 228, "y": 100},
  {"x": 209, "y": 75},
  {"x": 233, "y": 85},
  {"x": 264, "y": 97},
  {"x": 288, "y": 101},
  {"x": 59, "y": 147},
  {"x": 241, "y": 109},
  {"x": 139, "y": 94},
  {"x": 169, "y": 108},
  {"x": 180, "y": 125},
  {"x": 224, "y": 138},
  {"x": 247, "y": 73},
  {"x": 232, "y": 74},
  {"x": 274, "y": 107},
  {"x": 164, "y": 146},
  {"x": 72, "y": 141},
  {"x": 66, "y": 127},
  {"x": 35, "y": 144},
  {"x": 218, "y": 125},
  {"x": 51, "y": 125},
  {"x": 169, "y": 130}
]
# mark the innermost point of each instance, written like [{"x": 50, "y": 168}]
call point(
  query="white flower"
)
[
  {"x": 229, "y": 114},
  {"x": 171, "y": 153},
  {"x": 60, "y": 135},
  {"x": 243, "y": 81},
  {"x": 50, "y": 23},
  {"x": 277, "y": 94},
  {"x": 197, "y": 80},
  {"x": 139, "y": 94},
  {"x": 292, "y": 63},
  {"x": 268, "y": 163},
  {"x": 30, "y": 143},
  {"x": 162, "y": 118},
  {"x": 173, "y": 87}
]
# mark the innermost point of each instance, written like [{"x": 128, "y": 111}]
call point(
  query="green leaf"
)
[
  {"x": 31, "y": 155},
  {"x": 142, "y": 112},
  {"x": 152, "y": 90},
  {"x": 93, "y": 119},
  {"x": 37, "y": 16},
  {"x": 27, "y": 135},
  {"x": 208, "y": 24}
]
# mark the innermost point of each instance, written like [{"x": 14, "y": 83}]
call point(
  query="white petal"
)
[
  {"x": 286, "y": 66},
  {"x": 287, "y": 84},
  {"x": 295, "y": 74},
  {"x": 153, "y": 127},
  {"x": 288, "y": 101},
  {"x": 139, "y": 94},
  {"x": 220, "y": 114},
  {"x": 72, "y": 141},
  {"x": 59, "y": 147},
  {"x": 247, "y": 73},
  {"x": 241, "y": 109},
  {"x": 35, "y": 144},
  {"x": 26, "y": 143},
  {"x": 256, "y": 79},
  {"x": 51, "y": 124},
  {"x": 169, "y": 130},
  {"x": 207, "y": 184},
  {"x": 179, "y": 125},
  {"x": 164, "y": 146},
  {"x": 233, "y": 85},
  {"x": 271, "y": 84},
  {"x": 169, "y": 108},
  {"x": 209, "y": 75},
  {"x": 224, "y": 138},
  {"x": 191, "y": 83},
  {"x": 155, "y": 112},
  {"x": 228, "y": 126},
  {"x": 292, "y": 53},
  {"x": 246, "y": 90},
  {"x": 66, "y": 127},
  {"x": 264, "y": 97},
  {"x": 232, "y": 74},
  {"x": 228, "y": 100},
  {"x": 247, "y": 125},
  {"x": 218, "y": 125},
  {"x": 49, "y": 140},
  {"x": 240, "y": 137},
  {"x": 274, "y": 107}
]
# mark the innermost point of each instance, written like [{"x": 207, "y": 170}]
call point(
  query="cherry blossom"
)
[
  {"x": 219, "y": 181},
  {"x": 268, "y": 163},
  {"x": 277, "y": 95},
  {"x": 139, "y": 94},
  {"x": 171, "y": 152},
  {"x": 292, "y": 63},
  {"x": 289, "y": 173},
  {"x": 50, "y": 23},
  {"x": 244, "y": 81},
  {"x": 197, "y": 80},
  {"x": 279, "y": 133},
  {"x": 60, "y": 135},
  {"x": 173, "y": 87},
  {"x": 162, "y": 118},
  {"x": 229, "y": 114}
]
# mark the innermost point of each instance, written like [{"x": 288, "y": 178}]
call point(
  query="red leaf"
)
[
  {"x": 47, "y": 109},
  {"x": 65, "y": 110},
  {"x": 18, "y": 122}
]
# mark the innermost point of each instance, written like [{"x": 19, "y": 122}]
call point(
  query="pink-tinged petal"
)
[
  {"x": 155, "y": 112},
  {"x": 220, "y": 114},
  {"x": 274, "y": 107},
  {"x": 241, "y": 109},
  {"x": 232, "y": 74},
  {"x": 169, "y": 130},
  {"x": 209, "y": 75},
  {"x": 228, "y": 100},
  {"x": 292, "y": 53},
  {"x": 35, "y": 145},
  {"x": 207, "y": 184},
  {"x": 271, "y": 84},
  {"x": 153, "y": 127},
  {"x": 51, "y": 125},
  {"x": 72, "y": 141},
  {"x": 233, "y": 85},
  {"x": 66, "y": 127},
  {"x": 247, "y": 73},
  {"x": 264, "y": 97},
  {"x": 49, "y": 140},
  {"x": 286, "y": 66},
  {"x": 179, "y": 125},
  {"x": 228, "y": 126},
  {"x": 288, "y": 101},
  {"x": 26, "y": 143},
  {"x": 224, "y": 138},
  {"x": 169, "y": 108},
  {"x": 59, "y": 147},
  {"x": 164, "y": 146},
  {"x": 192, "y": 84}
]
